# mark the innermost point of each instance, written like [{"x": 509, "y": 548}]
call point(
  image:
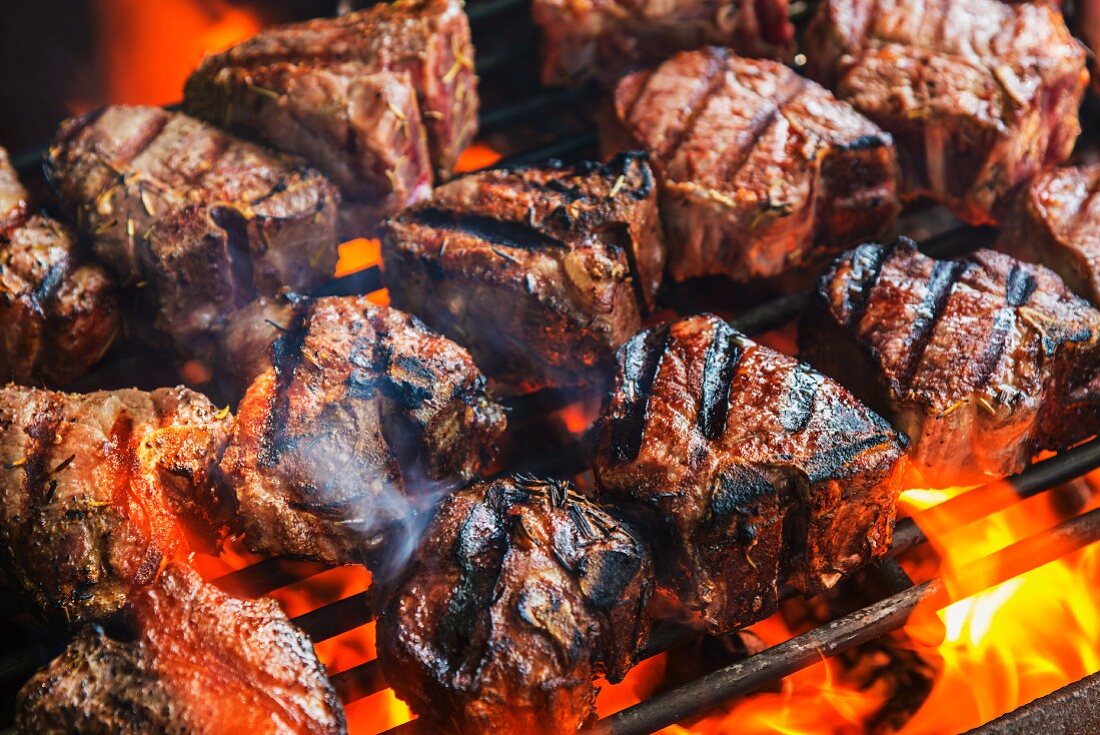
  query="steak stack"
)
[
  {"x": 982, "y": 361},
  {"x": 58, "y": 311},
  {"x": 745, "y": 468},
  {"x": 978, "y": 94},
  {"x": 542, "y": 271},
  {"x": 761, "y": 171},
  {"x": 204, "y": 221},
  {"x": 522, "y": 591},
  {"x": 382, "y": 100}
]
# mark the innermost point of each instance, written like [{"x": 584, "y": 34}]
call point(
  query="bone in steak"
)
[
  {"x": 97, "y": 491},
  {"x": 205, "y": 220},
  {"x": 58, "y": 311},
  {"x": 608, "y": 38},
  {"x": 376, "y": 98},
  {"x": 196, "y": 661},
  {"x": 1055, "y": 220},
  {"x": 362, "y": 407},
  {"x": 746, "y": 467},
  {"x": 982, "y": 361},
  {"x": 522, "y": 591},
  {"x": 978, "y": 94},
  {"x": 542, "y": 272},
  {"x": 761, "y": 171}
]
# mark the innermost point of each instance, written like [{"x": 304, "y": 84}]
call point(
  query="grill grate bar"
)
[{"x": 851, "y": 630}]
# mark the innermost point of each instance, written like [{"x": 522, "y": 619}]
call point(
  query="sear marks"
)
[
  {"x": 196, "y": 661},
  {"x": 982, "y": 361},
  {"x": 1055, "y": 220},
  {"x": 361, "y": 408},
  {"x": 978, "y": 94},
  {"x": 542, "y": 272},
  {"x": 608, "y": 38},
  {"x": 748, "y": 467},
  {"x": 522, "y": 591},
  {"x": 58, "y": 311},
  {"x": 206, "y": 221},
  {"x": 377, "y": 99},
  {"x": 762, "y": 172},
  {"x": 97, "y": 491}
]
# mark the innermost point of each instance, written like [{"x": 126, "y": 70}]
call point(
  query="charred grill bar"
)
[{"x": 770, "y": 665}]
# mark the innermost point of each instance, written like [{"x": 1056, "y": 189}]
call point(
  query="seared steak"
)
[
  {"x": 362, "y": 408},
  {"x": 761, "y": 171},
  {"x": 207, "y": 220},
  {"x": 978, "y": 94},
  {"x": 376, "y": 98},
  {"x": 1055, "y": 220},
  {"x": 608, "y": 38},
  {"x": 982, "y": 361},
  {"x": 97, "y": 491},
  {"x": 200, "y": 661},
  {"x": 522, "y": 591},
  {"x": 746, "y": 467},
  {"x": 542, "y": 272},
  {"x": 58, "y": 311}
]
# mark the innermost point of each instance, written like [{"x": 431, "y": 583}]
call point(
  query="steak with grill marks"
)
[
  {"x": 746, "y": 467},
  {"x": 58, "y": 311},
  {"x": 1055, "y": 220},
  {"x": 762, "y": 172},
  {"x": 363, "y": 413},
  {"x": 376, "y": 99},
  {"x": 982, "y": 361},
  {"x": 978, "y": 94},
  {"x": 207, "y": 221},
  {"x": 97, "y": 491},
  {"x": 609, "y": 38},
  {"x": 193, "y": 660},
  {"x": 542, "y": 272},
  {"x": 521, "y": 593}
]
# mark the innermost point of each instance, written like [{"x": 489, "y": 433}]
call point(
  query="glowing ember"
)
[
  {"x": 164, "y": 43},
  {"x": 476, "y": 157}
]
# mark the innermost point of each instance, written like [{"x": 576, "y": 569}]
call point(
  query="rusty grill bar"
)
[{"x": 502, "y": 66}]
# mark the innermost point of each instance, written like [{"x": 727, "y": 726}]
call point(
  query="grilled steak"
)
[
  {"x": 978, "y": 94},
  {"x": 746, "y": 467},
  {"x": 982, "y": 361},
  {"x": 542, "y": 272},
  {"x": 1055, "y": 220},
  {"x": 376, "y": 99},
  {"x": 98, "y": 490},
  {"x": 199, "y": 661},
  {"x": 522, "y": 592},
  {"x": 761, "y": 171},
  {"x": 58, "y": 312},
  {"x": 608, "y": 38},
  {"x": 362, "y": 406},
  {"x": 207, "y": 220}
]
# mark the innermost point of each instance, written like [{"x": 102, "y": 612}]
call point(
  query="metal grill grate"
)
[{"x": 528, "y": 124}]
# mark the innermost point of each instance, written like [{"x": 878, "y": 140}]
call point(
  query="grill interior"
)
[{"x": 526, "y": 123}]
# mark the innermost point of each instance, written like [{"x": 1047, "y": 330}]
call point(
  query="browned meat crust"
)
[
  {"x": 542, "y": 272},
  {"x": 746, "y": 468},
  {"x": 522, "y": 591},
  {"x": 982, "y": 361},
  {"x": 97, "y": 491},
  {"x": 200, "y": 661},
  {"x": 1055, "y": 220},
  {"x": 207, "y": 220},
  {"x": 978, "y": 94},
  {"x": 607, "y": 38},
  {"x": 337, "y": 90},
  {"x": 362, "y": 406},
  {"x": 762, "y": 172},
  {"x": 58, "y": 312}
]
